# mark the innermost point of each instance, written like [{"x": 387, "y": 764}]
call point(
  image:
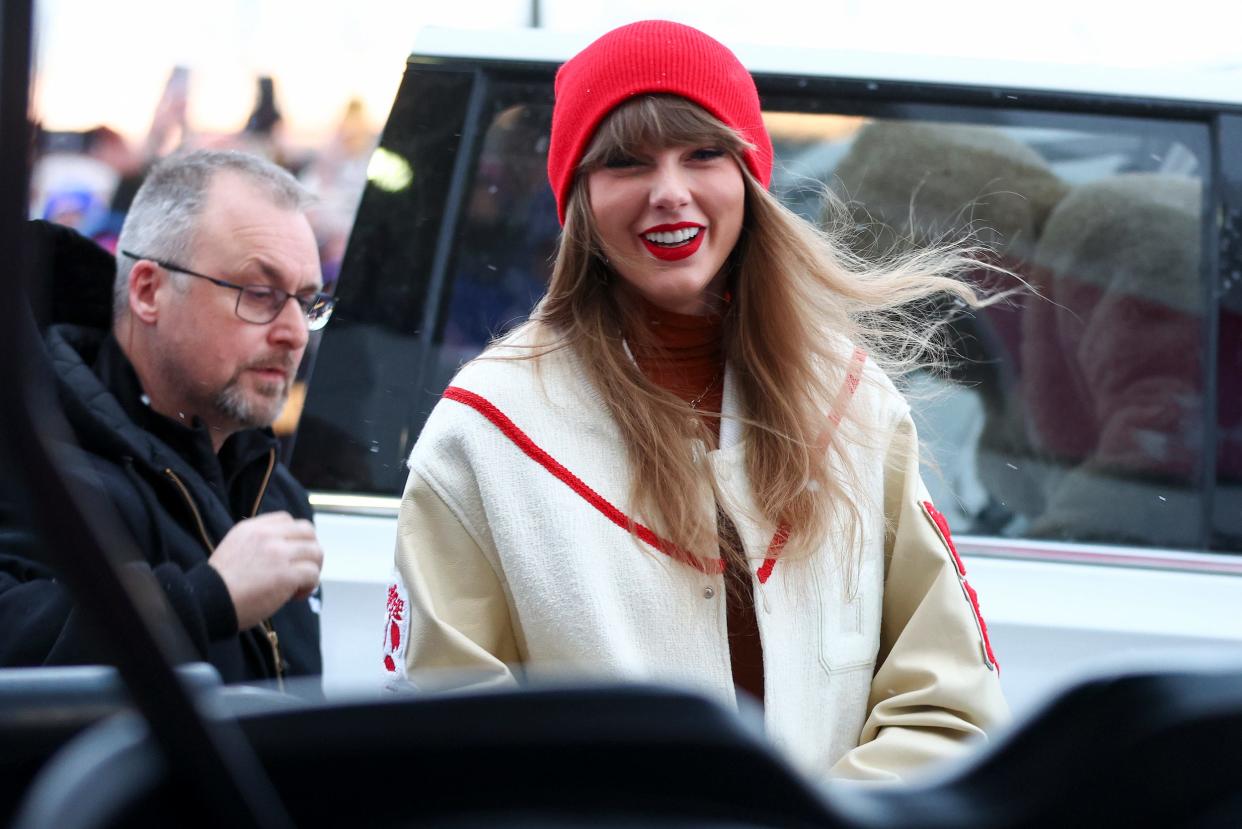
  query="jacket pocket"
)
[{"x": 847, "y": 642}]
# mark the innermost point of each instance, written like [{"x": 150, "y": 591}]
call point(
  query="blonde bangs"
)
[{"x": 657, "y": 121}]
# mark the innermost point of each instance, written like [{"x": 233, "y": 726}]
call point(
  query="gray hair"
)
[{"x": 162, "y": 220}]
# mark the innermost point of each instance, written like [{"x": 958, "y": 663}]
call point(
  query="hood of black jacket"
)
[{"x": 77, "y": 276}]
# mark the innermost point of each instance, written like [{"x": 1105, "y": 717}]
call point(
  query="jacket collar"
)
[{"x": 103, "y": 396}]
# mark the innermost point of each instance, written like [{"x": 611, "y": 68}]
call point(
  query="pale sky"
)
[{"x": 107, "y": 62}]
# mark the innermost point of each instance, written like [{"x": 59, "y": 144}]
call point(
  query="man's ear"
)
[{"x": 148, "y": 284}]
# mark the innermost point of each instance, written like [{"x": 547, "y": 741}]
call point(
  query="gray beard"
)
[{"x": 249, "y": 413}]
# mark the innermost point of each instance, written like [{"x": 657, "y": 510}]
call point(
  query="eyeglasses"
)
[{"x": 260, "y": 304}]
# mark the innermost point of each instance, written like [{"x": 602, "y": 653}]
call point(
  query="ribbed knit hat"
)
[{"x": 650, "y": 57}]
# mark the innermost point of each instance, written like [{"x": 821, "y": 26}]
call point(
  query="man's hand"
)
[{"x": 265, "y": 562}]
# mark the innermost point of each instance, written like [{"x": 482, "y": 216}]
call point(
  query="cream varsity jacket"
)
[{"x": 512, "y": 555}]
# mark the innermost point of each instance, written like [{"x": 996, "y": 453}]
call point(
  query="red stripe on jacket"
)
[{"x": 536, "y": 453}]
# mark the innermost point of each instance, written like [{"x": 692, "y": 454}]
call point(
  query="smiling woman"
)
[
  {"x": 669, "y": 214},
  {"x": 689, "y": 464}
]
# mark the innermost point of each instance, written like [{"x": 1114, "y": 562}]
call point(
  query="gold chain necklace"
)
[{"x": 694, "y": 404}]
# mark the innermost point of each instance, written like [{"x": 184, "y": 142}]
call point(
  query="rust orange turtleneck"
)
[{"x": 688, "y": 360}]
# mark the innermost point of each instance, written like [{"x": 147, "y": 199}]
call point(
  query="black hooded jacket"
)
[{"x": 171, "y": 491}]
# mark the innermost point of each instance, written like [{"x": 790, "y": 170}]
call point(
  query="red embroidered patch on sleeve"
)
[
  {"x": 396, "y": 628},
  {"x": 946, "y": 537}
]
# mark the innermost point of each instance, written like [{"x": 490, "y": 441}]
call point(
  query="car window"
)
[
  {"x": 1080, "y": 410},
  {"x": 1226, "y": 505},
  {"x": 507, "y": 239},
  {"x": 367, "y": 399}
]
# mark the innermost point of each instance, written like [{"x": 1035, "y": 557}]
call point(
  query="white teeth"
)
[{"x": 673, "y": 237}]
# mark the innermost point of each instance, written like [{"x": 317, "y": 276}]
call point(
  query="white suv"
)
[{"x": 1088, "y": 447}]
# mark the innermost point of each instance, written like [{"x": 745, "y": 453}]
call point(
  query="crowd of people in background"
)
[{"x": 86, "y": 179}]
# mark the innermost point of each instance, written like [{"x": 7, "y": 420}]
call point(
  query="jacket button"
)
[{"x": 709, "y": 592}]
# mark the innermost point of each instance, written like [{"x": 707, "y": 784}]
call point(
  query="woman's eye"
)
[
  {"x": 620, "y": 162},
  {"x": 707, "y": 153}
]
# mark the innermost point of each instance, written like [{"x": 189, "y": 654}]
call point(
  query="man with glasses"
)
[{"x": 216, "y": 289}]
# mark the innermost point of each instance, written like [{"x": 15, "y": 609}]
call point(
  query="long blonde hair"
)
[{"x": 800, "y": 302}]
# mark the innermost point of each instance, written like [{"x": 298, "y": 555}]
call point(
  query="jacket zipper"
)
[
  {"x": 267, "y": 476},
  {"x": 272, "y": 639}
]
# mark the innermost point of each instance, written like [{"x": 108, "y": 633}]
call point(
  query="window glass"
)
[
  {"x": 1227, "y": 507},
  {"x": 355, "y": 432},
  {"x": 503, "y": 253},
  {"x": 1227, "y": 501},
  {"x": 1078, "y": 413}
]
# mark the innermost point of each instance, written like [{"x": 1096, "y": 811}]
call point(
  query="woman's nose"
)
[{"x": 669, "y": 188}]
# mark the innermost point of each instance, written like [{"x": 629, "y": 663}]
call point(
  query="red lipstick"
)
[{"x": 672, "y": 253}]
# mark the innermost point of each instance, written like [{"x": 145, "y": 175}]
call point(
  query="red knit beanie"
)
[{"x": 651, "y": 56}]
